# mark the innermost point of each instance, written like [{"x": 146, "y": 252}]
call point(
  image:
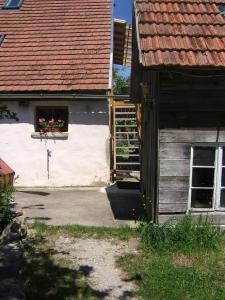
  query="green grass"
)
[
  {"x": 178, "y": 261},
  {"x": 77, "y": 231},
  {"x": 186, "y": 235},
  {"x": 174, "y": 261},
  {"x": 158, "y": 277}
]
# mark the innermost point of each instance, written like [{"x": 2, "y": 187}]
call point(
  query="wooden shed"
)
[
  {"x": 178, "y": 73},
  {"x": 6, "y": 174}
]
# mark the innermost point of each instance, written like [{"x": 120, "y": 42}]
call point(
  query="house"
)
[
  {"x": 179, "y": 78},
  {"x": 55, "y": 74}
]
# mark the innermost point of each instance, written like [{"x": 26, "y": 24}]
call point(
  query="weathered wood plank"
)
[
  {"x": 174, "y": 182},
  {"x": 169, "y": 218},
  {"x": 167, "y": 196},
  {"x": 174, "y": 151},
  {"x": 175, "y": 167},
  {"x": 172, "y": 207},
  {"x": 188, "y": 136},
  {"x": 216, "y": 217},
  {"x": 221, "y": 135}
]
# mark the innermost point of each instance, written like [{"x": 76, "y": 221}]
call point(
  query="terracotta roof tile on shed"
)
[
  {"x": 181, "y": 33},
  {"x": 4, "y": 168},
  {"x": 55, "y": 45}
]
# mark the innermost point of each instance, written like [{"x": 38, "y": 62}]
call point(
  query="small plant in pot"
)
[{"x": 51, "y": 125}]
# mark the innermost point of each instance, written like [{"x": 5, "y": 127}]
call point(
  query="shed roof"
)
[
  {"x": 122, "y": 50},
  {"x": 55, "y": 45},
  {"x": 4, "y": 168},
  {"x": 189, "y": 33}
]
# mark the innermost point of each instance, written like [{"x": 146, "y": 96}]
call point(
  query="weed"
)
[{"x": 186, "y": 235}]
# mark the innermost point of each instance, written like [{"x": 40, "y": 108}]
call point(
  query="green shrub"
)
[
  {"x": 5, "y": 207},
  {"x": 186, "y": 234}
]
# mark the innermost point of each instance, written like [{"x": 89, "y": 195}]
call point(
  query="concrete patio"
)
[{"x": 110, "y": 207}]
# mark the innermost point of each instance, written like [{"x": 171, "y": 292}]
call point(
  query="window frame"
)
[
  {"x": 7, "y": 2},
  {"x": 50, "y": 107},
  {"x": 217, "y": 186}
]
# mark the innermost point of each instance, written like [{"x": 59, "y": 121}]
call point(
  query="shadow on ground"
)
[
  {"x": 37, "y": 206},
  {"x": 125, "y": 203},
  {"x": 38, "y": 193},
  {"x": 46, "y": 275}
]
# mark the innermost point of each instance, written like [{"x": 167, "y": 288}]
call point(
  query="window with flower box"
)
[
  {"x": 207, "y": 178},
  {"x": 51, "y": 119}
]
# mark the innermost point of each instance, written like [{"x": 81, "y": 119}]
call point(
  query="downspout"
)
[{"x": 111, "y": 48}]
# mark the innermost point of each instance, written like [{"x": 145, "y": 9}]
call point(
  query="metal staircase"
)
[{"x": 126, "y": 152}]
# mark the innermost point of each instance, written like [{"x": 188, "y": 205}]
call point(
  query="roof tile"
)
[
  {"x": 56, "y": 45},
  {"x": 181, "y": 32}
]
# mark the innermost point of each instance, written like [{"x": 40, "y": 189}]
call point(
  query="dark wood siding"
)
[
  {"x": 149, "y": 147},
  {"x": 174, "y": 160}
]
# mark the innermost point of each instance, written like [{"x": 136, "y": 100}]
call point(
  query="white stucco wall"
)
[{"x": 80, "y": 160}]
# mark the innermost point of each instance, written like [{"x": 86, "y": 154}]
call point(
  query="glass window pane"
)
[
  {"x": 201, "y": 198},
  {"x": 223, "y": 177},
  {"x": 222, "y": 198},
  {"x": 204, "y": 156},
  {"x": 223, "y": 156},
  {"x": 203, "y": 177},
  {"x": 13, "y": 3}
]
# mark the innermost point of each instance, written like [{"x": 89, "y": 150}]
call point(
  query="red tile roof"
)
[
  {"x": 4, "y": 168},
  {"x": 181, "y": 32},
  {"x": 55, "y": 45}
]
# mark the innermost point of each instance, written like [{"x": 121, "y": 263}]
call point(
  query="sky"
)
[{"x": 123, "y": 10}]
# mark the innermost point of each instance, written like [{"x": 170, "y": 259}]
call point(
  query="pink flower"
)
[
  {"x": 51, "y": 121},
  {"x": 40, "y": 120},
  {"x": 60, "y": 121}
]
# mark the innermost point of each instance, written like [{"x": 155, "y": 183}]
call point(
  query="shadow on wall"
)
[
  {"x": 81, "y": 112},
  {"x": 126, "y": 204}
]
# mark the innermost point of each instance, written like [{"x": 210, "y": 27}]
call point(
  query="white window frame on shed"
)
[{"x": 217, "y": 185}]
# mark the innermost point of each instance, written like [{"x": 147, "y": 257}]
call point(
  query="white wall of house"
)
[{"x": 80, "y": 160}]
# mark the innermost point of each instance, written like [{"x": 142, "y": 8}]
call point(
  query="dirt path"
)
[{"x": 97, "y": 258}]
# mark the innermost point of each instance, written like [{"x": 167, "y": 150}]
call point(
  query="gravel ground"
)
[{"x": 97, "y": 258}]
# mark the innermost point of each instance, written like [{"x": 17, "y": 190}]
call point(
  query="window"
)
[
  {"x": 1, "y": 38},
  {"x": 51, "y": 119},
  {"x": 207, "y": 180},
  {"x": 12, "y": 4}
]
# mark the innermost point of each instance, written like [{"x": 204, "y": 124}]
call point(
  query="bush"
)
[
  {"x": 5, "y": 207},
  {"x": 186, "y": 235}
]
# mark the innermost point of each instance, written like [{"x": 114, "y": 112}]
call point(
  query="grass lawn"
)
[
  {"x": 182, "y": 262},
  {"x": 186, "y": 261}
]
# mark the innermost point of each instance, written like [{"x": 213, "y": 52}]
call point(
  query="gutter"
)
[{"x": 59, "y": 97}]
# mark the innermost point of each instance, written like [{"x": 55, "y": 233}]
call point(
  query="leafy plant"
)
[
  {"x": 186, "y": 235},
  {"x": 5, "y": 207},
  {"x": 120, "y": 81},
  {"x": 5, "y": 113}
]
